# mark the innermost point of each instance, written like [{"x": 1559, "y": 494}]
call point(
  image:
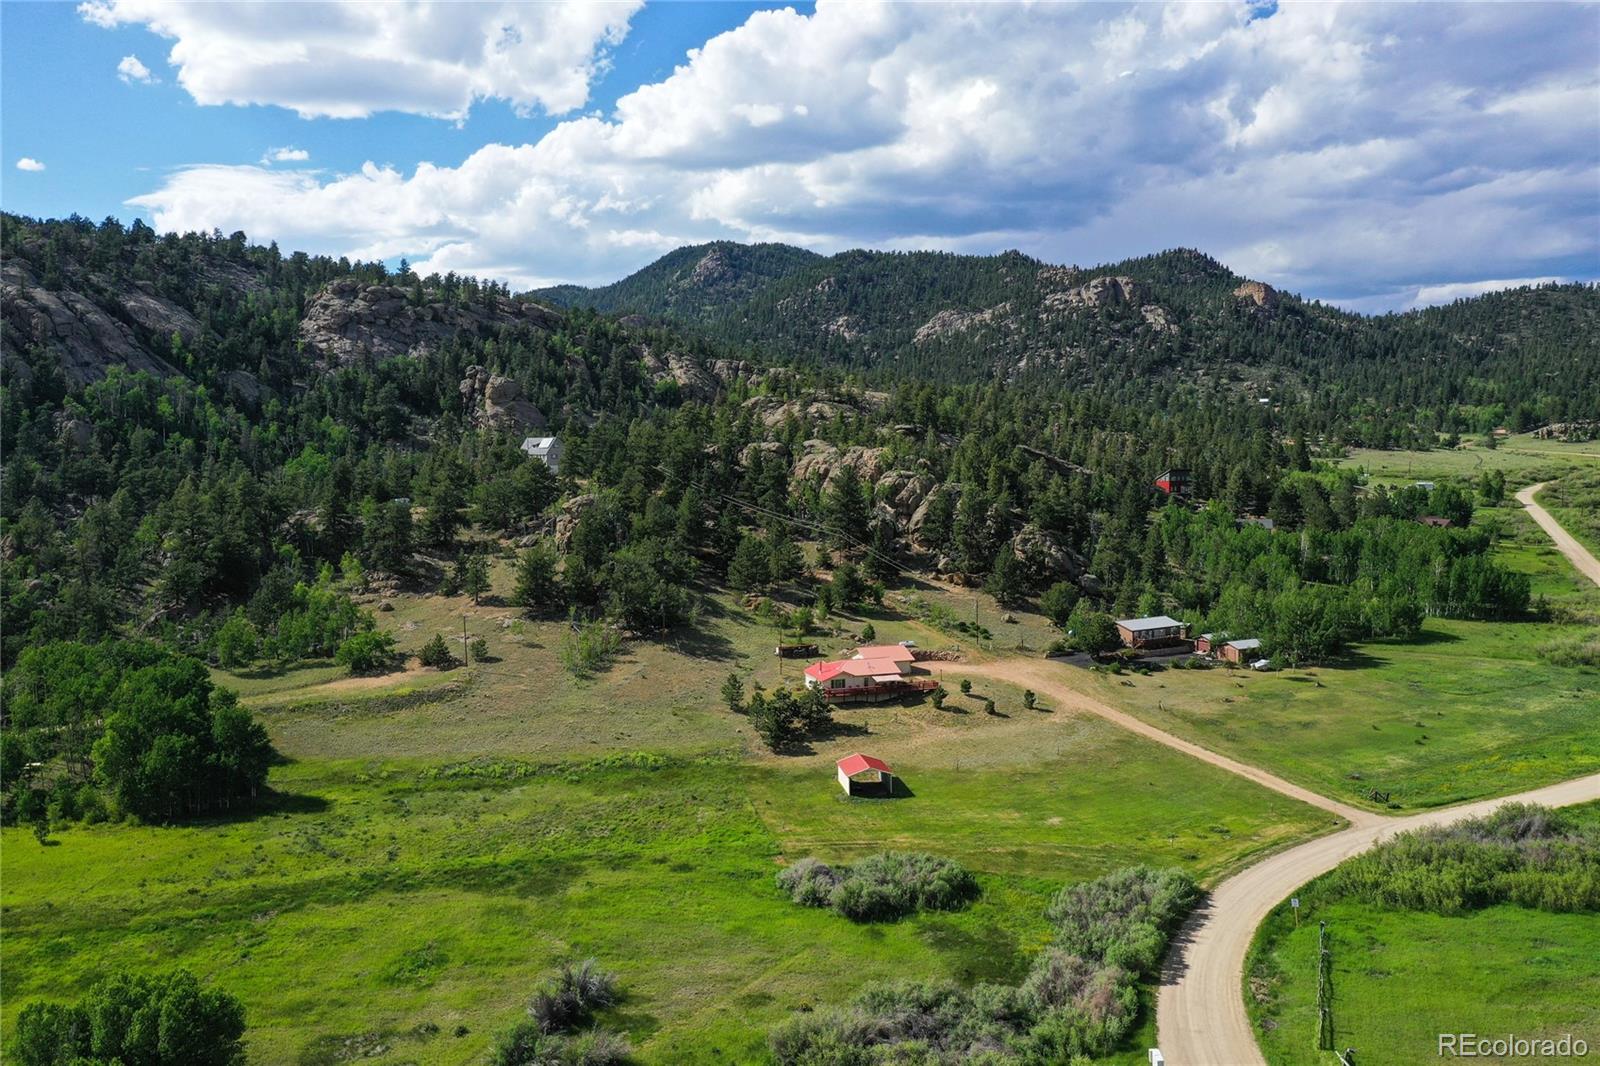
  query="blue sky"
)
[{"x": 1380, "y": 156}]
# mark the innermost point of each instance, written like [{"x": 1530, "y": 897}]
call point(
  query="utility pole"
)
[{"x": 466, "y": 657}]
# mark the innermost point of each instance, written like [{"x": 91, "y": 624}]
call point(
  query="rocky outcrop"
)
[
  {"x": 947, "y": 323},
  {"x": 1097, "y": 293},
  {"x": 1158, "y": 318},
  {"x": 86, "y": 337},
  {"x": 773, "y": 412},
  {"x": 772, "y": 449},
  {"x": 919, "y": 517},
  {"x": 243, "y": 386},
  {"x": 845, "y": 327},
  {"x": 567, "y": 520},
  {"x": 159, "y": 318},
  {"x": 1571, "y": 432},
  {"x": 1256, "y": 294},
  {"x": 903, "y": 491},
  {"x": 1044, "y": 558},
  {"x": 349, "y": 319},
  {"x": 822, "y": 460},
  {"x": 496, "y": 402},
  {"x": 77, "y": 434},
  {"x": 694, "y": 381},
  {"x": 714, "y": 270}
]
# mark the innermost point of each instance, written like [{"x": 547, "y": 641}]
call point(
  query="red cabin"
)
[{"x": 1173, "y": 481}]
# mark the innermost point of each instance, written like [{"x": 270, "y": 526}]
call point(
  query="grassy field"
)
[
  {"x": 1401, "y": 977},
  {"x": 446, "y": 838},
  {"x": 1469, "y": 711},
  {"x": 1524, "y": 458}
]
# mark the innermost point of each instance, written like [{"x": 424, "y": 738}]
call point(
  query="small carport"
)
[{"x": 862, "y": 775}]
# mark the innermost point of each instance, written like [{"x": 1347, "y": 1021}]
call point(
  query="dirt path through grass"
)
[
  {"x": 1044, "y": 677},
  {"x": 1580, "y": 556}
]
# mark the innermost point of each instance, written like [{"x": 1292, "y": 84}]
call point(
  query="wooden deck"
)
[{"x": 880, "y": 693}]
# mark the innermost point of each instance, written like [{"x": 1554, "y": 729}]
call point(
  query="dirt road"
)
[
  {"x": 1581, "y": 557},
  {"x": 1200, "y": 1016}
]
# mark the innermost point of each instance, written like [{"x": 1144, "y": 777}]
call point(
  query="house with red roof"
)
[
  {"x": 877, "y": 672},
  {"x": 863, "y": 775},
  {"x": 895, "y": 652}
]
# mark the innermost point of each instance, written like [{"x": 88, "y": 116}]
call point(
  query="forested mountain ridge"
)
[
  {"x": 182, "y": 417},
  {"x": 1177, "y": 316}
]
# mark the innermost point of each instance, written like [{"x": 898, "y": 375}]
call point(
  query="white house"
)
[{"x": 546, "y": 449}]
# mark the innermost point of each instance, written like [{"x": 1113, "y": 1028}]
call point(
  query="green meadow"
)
[
  {"x": 1468, "y": 711},
  {"x": 439, "y": 842}
]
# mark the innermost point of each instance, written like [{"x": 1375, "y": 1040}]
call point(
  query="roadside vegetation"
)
[{"x": 1079, "y": 998}]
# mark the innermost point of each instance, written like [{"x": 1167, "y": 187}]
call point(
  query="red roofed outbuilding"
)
[{"x": 863, "y": 775}]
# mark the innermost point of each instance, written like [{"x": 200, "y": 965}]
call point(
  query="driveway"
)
[{"x": 1581, "y": 557}]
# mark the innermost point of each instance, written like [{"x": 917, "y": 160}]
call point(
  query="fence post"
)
[{"x": 1324, "y": 990}]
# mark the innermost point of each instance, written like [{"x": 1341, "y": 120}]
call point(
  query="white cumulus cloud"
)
[
  {"x": 349, "y": 59},
  {"x": 25, "y": 163},
  {"x": 1356, "y": 152},
  {"x": 131, "y": 70},
  {"x": 287, "y": 154}
]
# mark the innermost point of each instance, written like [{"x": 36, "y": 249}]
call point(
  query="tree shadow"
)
[
  {"x": 1354, "y": 660},
  {"x": 1176, "y": 964},
  {"x": 701, "y": 643},
  {"x": 269, "y": 803},
  {"x": 837, "y": 729}
]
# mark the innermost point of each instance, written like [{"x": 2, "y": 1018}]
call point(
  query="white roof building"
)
[
  {"x": 546, "y": 449},
  {"x": 1145, "y": 625}
]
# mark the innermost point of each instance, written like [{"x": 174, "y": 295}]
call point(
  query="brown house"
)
[
  {"x": 1240, "y": 651},
  {"x": 1157, "y": 631}
]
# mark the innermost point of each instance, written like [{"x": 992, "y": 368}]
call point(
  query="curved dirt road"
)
[
  {"x": 1200, "y": 1015},
  {"x": 1581, "y": 557}
]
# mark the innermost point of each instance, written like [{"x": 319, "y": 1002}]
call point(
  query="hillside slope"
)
[{"x": 1178, "y": 315}]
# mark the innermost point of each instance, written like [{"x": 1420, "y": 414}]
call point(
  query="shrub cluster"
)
[
  {"x": 1522, "y": 854},
  {"x": 166, "y": 1020},
  {"x": 1581, "y": 650},
  {"x": 566, "y": 1003},
  {"x": 588, "y": 648},
  {"x": 1079, "y": 1000},
  {"x": 881, "y": 888}
]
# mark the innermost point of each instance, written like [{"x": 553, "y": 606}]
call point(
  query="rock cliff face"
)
[
  {"x": 1257, "y": 294},
  {"x": 349, "y": 318},
  {"x": 1099, "y": 292},
  {"x": 823, "y": 460},
  {"x": 87, "y": 337},
  {"x": 495, "y": 402}
]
